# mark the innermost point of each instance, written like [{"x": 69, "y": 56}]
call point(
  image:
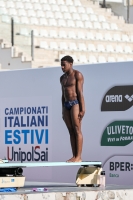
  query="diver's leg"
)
[
  {"x": 68, "y": 122},
  {"x": 76, "y": 124}
]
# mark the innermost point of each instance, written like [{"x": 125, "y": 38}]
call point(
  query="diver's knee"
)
[{"x": 71, "y": 131}]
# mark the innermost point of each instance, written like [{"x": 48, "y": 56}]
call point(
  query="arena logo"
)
[
  {"x": 129, "y": 98},
  {"x": 113, "y": 98},
  {"x": 118, "y": 133},
  {"x": 118, "y": 98}
]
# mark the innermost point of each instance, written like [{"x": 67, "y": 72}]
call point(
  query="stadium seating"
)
[
  {"x": 111, "y": 59},
  {"x": 79, "y": 28},
  {"x": 83, "y": 59},
  {"x": 101, "y": 59},
  {"x": 92, "y": 59}
]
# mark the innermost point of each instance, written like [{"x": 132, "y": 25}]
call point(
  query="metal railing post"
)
[
  {"x": 12, "y": 31},
  {"x": 128, "y": 7},
  {"x": 32, "y": 44},
  {"x": 104, "y": 3}
]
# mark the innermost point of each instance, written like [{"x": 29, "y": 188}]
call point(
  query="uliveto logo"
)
[
  {"x": 118, "y": 98},
  {"x": 118, "y": 133}
]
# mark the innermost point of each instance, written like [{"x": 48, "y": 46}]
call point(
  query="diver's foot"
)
[
  {"x": 71, "y": 159},
  {"x": 77, "y": 159}
]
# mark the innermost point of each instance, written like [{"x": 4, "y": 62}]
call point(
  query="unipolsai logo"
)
[{"x": 118, "y": 98}]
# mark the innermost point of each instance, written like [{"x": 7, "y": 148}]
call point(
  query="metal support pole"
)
[
  {"x": 104, "y": 3},
  {"x": 32, "y": 44},
  {"x": 128, "y": 7},
  {"x": 12, "y": 32}
]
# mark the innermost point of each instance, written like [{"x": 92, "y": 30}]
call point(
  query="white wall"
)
[{"x": 42, "y": 87}]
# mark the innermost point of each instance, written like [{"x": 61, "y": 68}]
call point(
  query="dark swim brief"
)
[{"x": 69, "y": 104}]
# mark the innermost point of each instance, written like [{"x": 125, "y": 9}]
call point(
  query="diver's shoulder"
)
[
  {"x": 78, "y": 74},
  {"x": 61, "y": 77}
]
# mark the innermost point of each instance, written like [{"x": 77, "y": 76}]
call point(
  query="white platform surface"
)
[{"x": 47, "y": 164}]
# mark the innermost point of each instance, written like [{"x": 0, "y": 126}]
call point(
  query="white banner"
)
[
  {"x": 32, "y": 129},
  {"x": 26, "y": 127}
]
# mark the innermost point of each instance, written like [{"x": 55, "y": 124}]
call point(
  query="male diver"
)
[{"x": 73, "y": 105}]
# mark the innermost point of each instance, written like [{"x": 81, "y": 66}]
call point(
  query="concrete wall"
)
[
  {"x": 8, "y": 62},
  {"x": 121, "y": 10}
]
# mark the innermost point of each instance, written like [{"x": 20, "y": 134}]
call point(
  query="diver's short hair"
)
[{"x": 68, "y": 59}]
